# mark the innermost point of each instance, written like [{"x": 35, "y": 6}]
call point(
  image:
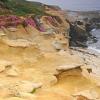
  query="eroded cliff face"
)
[
  {"x": 37, "y": 64},
  {"x": 29, "y": 58}
]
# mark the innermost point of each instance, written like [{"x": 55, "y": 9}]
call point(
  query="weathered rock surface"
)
[
  {"x": 35, "y": 59},
  {"x": 14, "y": 98},
  {"x": 89, "y": 94},
  {"x": 18, "y": 42},
  {"x": 4, "y": 64},
  {"x": 21, "y": 87}
]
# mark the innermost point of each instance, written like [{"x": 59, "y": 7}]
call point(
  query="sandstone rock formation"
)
[{"x": 37, "y": 64}]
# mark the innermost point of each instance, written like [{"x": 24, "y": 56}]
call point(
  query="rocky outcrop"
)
[
  {"x": 79, "y": 35},
  {"x": 30, "y": 50},
  {"x": 37, "y": 34},
  {"x": 81, "y": 24}
]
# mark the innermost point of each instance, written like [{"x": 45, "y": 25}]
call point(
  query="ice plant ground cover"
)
[{"x": 14, "y": 21}]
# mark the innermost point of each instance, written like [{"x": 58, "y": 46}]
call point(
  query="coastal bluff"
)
[{"x": 36, "y": 59}]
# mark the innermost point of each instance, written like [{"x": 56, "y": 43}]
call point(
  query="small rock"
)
[
  {"x": 62, "y": 52},
  {"x": 27, "y": 86},
  {"x": 12, "y": 72},
  {"x": 4, "y": 64},
  {"x": 96, "y": 70},
  {"x": 57, "y": 45},
  {"x": 27, "y": 96},
  {"x": 53, "y": 80},
  {"x": 12, "y": 29},
  {"x": 68, "y": 66}
]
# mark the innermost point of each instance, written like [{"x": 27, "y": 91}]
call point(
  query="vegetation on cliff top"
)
[{"x": 21, "y": 7}]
